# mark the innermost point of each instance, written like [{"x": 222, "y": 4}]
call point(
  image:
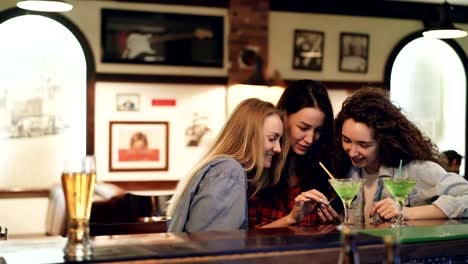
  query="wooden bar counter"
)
[{"x": 441, "y": 241}]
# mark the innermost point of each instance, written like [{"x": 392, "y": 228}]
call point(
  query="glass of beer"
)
[{"x": 78, "y": 188}]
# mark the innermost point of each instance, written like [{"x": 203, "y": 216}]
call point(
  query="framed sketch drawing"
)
[
  {"x": 138, "y": 146},
  {"x": 308, "y": 50},
  {"x": 162, "y": 38},
  {"x": 354, "y": 52},
  {"x": 128, "y": 102}
]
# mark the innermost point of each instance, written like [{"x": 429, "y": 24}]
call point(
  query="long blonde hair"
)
[{"x": 242, "y": 139}]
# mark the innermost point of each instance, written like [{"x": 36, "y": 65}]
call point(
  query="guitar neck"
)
[{"x": 169, "y": 37}]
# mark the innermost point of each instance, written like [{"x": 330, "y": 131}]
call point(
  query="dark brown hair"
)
[
  {"x": 397, "y": 137},
  {"x": 297, "y": 96}
]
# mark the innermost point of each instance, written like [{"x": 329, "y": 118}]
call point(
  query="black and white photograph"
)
[
  {"x": 162, "y": 38},
  {"x": 128, "y": 102},
  {"x": 308, "y": 50},
  {"x": 199, "y": 131},
  {"x": 354, "y": 52}
]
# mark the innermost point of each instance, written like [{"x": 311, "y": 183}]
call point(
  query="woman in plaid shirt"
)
[{"x": 303, "y": 188}]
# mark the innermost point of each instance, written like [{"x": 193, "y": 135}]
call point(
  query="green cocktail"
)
[
  {"x": 400, "y": 188},
  {"x": 346, "y": 189}
]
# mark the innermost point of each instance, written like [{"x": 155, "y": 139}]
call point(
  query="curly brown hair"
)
[{"x": 397, "y": 137}]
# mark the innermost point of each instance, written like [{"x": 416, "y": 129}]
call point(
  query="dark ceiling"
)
[{"x": 370, "y": 8}]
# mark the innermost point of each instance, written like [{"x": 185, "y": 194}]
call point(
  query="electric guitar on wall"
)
[{"x": 139, "y": 45}]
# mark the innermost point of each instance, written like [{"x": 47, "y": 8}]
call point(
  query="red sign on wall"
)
[{"x": 163, "y": 102}]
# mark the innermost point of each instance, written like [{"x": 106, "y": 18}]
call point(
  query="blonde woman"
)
[{"x": 247, "y": 156}]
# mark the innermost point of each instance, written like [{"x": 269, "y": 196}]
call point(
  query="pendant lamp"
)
[
  {"x": 45, "y": 5},
  {"x": 443, "y": 27}
]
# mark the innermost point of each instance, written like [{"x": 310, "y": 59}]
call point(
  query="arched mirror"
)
[{"x": 427, "y": 78}]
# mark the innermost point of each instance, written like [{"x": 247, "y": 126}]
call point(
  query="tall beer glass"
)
[{"x": 78, "y": 188}]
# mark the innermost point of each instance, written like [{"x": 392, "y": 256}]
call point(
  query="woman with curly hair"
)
[{"x": 371, "y": 137}]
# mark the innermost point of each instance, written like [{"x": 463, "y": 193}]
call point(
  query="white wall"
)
[
  {"x": 384, "y": 34},
  {"x": 24, "y": 216},
  {"x": 206, "y": 100}
]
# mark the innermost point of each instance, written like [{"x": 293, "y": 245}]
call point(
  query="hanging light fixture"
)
[
  {"x": 45, "y": 5},
  {"x": 443, "y": 28}
]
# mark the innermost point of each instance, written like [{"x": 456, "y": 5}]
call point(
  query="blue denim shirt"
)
[
  {"x": 434, "y": 185},
  {"x": 215, "y": 199}
]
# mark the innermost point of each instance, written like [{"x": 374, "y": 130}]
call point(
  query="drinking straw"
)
[
  {"x": 399, "y": 169},
  {"x": 325, "y": 169}
]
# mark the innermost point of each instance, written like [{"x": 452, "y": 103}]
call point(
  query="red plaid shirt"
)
[{"x": 268, "y": 209}]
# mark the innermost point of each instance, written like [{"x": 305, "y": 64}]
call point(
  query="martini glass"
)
[
  {"x": 400, "y": 188},
  {"x": 346, "y": 189}
]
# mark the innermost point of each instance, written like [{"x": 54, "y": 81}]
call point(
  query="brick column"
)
[{"x": 248, "y": 28}]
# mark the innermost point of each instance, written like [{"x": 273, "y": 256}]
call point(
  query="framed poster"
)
[
  {"x": 162, "y": 38},
  {"x": 354, "y": 52},
  {"x": 308, "y": 50},
  {"x": 138, "y": 146}
]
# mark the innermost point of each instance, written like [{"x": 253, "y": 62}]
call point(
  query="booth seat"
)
[{"x": 56, "y": 221}]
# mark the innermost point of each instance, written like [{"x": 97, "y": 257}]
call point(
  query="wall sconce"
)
[
  {"x": 443, "y": 27},
  {"x": 251, "y": 58},
  {"x": 45, "y": 5}
]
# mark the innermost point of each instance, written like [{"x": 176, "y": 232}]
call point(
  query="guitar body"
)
[{"x": 140, "y": 46}]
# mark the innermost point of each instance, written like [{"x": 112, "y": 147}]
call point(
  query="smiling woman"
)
[
  {"x": 247, "y": 156},
  {"x": 303, "y": 187},
  {"x": 375, "y": 141}
]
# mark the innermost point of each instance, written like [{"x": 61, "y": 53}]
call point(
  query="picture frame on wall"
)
[
  {"x": 308, "y": 50},
  {"x": 354, "y": 52},
  {"x": 138, "y": 146},
  {"x": 128, "y": 102},
  {"x": 174, "y": 39}
]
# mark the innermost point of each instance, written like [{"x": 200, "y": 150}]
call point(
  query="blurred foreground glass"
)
[{"x": 78, "y": 188}]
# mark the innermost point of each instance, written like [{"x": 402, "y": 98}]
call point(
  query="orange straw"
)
[{"x": 325, "y": 169}]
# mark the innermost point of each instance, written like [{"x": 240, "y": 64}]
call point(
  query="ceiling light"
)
[
  {"x": 443, "y": 28},
  {"x": 45, "y": 5}
]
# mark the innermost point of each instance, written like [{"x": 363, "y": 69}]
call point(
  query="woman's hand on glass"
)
[{"x": 386, "y": 209}]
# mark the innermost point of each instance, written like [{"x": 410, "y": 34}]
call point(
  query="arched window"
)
[
  {"x": 428, "y": 80},
  {"x": 46, "y": 83}
]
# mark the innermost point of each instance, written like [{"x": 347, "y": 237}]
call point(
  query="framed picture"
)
[
  {"x": 138, "y": 146},
  {"x": 354, "y": 52},
  {"x": 308, "y": 50},
  {"x": 162, "y": 38},
  {"x": 128, "y": 102}
]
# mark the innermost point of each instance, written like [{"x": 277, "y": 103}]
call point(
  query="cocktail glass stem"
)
[
  {"x": 400, "y": 221},
  {"x": 347, "y": 205}
]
